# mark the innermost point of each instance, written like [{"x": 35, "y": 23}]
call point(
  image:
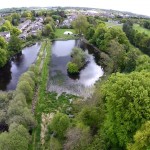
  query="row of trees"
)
[
  {"x": 140, "y": 40},
  {"x": 16, "y": 114}
]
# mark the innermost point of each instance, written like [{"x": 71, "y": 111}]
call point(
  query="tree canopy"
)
[{"x": 127, "y": 105}]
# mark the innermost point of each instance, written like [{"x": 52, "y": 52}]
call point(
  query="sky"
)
[{"x": 135, "y": 6}]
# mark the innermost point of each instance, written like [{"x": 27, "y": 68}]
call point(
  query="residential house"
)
[{"x": 6, "y": 35}]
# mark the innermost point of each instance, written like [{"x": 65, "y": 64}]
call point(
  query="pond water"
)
[
  {"x": 60, "y": 81},
  {"x": 10, "y": 73}
]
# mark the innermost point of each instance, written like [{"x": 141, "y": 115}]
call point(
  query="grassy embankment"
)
[
  {"x": 141, "y": 29},
  {"x": 47, "y": 102},
  {"x": 61, "y": 36}
]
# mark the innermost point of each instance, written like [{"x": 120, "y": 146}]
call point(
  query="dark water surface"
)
[
  {"x": 60, "y": 81},
  {"x": 11, "y": 72}
]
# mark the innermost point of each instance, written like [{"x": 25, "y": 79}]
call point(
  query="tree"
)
[
  {"x": 47, "y": 31},
  {"x": 8, "y": 25},
  {"x": 117, "y": 53},
  {"x": 90, "y": 117},
  {"x": 27, "y": 14},
  {"x": 59, "y": 124},
  {"x": 89, "y": 33},
  {"x": 26, "y": 89},
  {"x": 98, "y": 36},
  {"x": 16, "y": 139},
  {"x": 15, "y": 44},
  {"x": 141, "y": 138},
  {"x": 15, "y": 19},
  {"x": 77, "y": 138},
  {"x": 80, "y": 24},
  {"x": 3, "y": 57},
  {"x": 127, "y": 105},
  {"x": 15, "y": 31}
]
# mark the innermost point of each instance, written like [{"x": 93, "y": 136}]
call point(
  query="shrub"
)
[
  {"x": 72, "y": 68},
  {"x": 25, "y": 88}
]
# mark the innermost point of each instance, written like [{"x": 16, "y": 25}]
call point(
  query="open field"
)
[{"x": 141, "y": 29}]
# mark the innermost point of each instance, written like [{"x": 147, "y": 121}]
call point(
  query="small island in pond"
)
[{"x": 78, "y": 61}]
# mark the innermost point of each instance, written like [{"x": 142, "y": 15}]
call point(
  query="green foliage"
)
[
  {"x": 19, "y": 113},
  {"x": 3, "y": 57},
  {"x": 3, "y": 43},
  {"x": 137, "y": 38},
  {"x": 17, "y": 138},
  {"x": 90, "y": 117},
  {"x": 55, "y": 144},
  {"x": 127, "y": 105},
  {"x": 80, "y": 24},
  {"x": 143, "y": 63},
  {"x": 90, "y": 32},
  {"x": 77, "y": 138},
  {"x": 59, "y": 124},
  {"x": 117, "y": 53},
  {"x": 78, "y": 60},
  {"x": 15, "y": 31},
  {"x": 27, "y": 78},
  {"x": 98, "y": 36},
  {"x": 26, "y": 89},
  {"x": 72, "y": 67},
  {"x": 141, "y": 138},
  {"x": 15, "y": 44},
  {"x": 104, "y": 35},
  {"x": 27, "y": 14},
  {"x": 15, "y": 18},
  {"x": 48, "y": 30},
  {"x": 8, "y": 25},
  {"x": 78, "y": 57}
]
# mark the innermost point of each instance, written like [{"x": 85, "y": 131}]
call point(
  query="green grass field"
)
[
  {"x": 60, "y": 34},
  {"x": 114, "y": 25},
  {"x": 141, "y": 29}
]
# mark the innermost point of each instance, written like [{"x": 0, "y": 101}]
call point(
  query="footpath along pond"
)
[
  {"x": 60, "y": 81},
  {"x": 10, "y": 73}
]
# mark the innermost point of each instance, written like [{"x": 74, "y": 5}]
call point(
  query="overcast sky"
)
[{"x": 135, "y": 6}]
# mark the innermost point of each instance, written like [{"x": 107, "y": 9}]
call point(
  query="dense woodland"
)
[{"x": 117, "y": 117}]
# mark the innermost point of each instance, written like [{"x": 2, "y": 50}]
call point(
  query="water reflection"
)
[
  {"x": 11, "y": 72},
  {"x": 60, "y": 81}
]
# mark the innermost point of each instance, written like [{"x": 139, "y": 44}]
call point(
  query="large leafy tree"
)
[
  {"x": 127, "y": 105},
  {"x": 15, "y": 44},
  {"x": 80, "y": 24}
]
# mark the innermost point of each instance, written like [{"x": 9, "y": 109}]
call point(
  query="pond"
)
[
  {"x": 10, "y": 73},
  {"x": 60, "y": 81}
]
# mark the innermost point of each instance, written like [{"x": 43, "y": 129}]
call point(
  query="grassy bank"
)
[{"x": 141, "y": 29}]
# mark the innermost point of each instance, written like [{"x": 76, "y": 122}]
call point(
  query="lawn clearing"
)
[{"x": 60, "y": 34}]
